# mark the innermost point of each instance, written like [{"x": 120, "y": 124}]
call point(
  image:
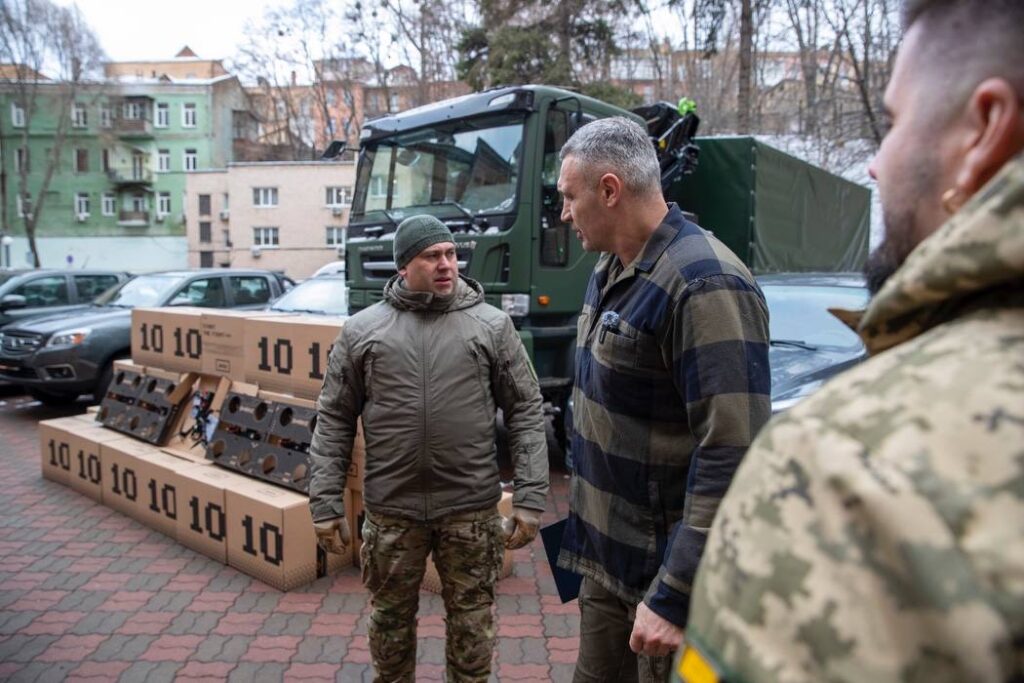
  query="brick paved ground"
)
[{"x": 87, "y": 594}]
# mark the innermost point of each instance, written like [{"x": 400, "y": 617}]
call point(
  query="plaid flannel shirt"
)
[{"x": 672, "y": 385}]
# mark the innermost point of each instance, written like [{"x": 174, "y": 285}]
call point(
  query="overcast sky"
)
[{"x": 151, "y": 29}]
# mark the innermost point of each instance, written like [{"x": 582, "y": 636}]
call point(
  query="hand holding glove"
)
[
  {"x": 521, "y": 528},
  {"x": 333, "y": 535}
]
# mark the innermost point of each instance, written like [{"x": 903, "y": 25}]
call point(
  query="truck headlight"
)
[
  {"x": 69, "y": 337},
  {"x": 516, "y": 305}
]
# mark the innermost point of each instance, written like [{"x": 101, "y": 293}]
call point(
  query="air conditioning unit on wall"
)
[
  {"x": 224, "y": 214},
  {"x": 256, "y": 251},
  {"x": 81, "y": 218},
  {"x": 337, "y": 211}
]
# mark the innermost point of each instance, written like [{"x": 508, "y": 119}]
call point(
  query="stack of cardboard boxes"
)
[{"x": 255, "y": 526}]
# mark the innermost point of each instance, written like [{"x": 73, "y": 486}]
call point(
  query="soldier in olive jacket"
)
[{"x": 425, "y": 369}]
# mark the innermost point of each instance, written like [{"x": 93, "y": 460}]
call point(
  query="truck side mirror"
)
[{"x": 12, "y": 301}]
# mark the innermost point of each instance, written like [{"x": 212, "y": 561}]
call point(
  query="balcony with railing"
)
[
  {"x": 127, "y": 177},
  {"x": 133, "y": 219}
]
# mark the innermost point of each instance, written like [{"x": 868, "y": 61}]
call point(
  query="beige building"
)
[{"x": 287, "y": 216}]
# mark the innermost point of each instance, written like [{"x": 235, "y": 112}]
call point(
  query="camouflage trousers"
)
[{"x": 467, "y": 550}]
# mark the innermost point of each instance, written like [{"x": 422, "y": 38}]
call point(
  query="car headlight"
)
[{"x": 69, "y": 337}]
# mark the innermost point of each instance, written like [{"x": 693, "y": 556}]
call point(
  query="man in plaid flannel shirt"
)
[{"x": 672, "y": 384}]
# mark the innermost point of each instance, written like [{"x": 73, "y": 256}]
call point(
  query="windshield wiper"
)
[{"x": 795, "y": 343}]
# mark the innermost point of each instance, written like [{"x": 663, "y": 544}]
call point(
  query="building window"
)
[
  {"x": 17, "y": 115},
  {"x": 109, "y": 204},
  {"x": 378, "y": 187},
  {"x": 21, "y": 160},
  {"x": 105, "y": 160},
  {"x": 205, "y": 232},
  {"x": 132, "y": 111},
  {"x": 81, "y": 160},
  {"x": 163, "y": 205},
  {"x": 138, "y": 202},
  {"x": 335, "y": 236},
  {"x": 188, "y": 115},
  {"x": 163, "y": 160},
  {"x": 264, "y": 237},
  {"x": 79, "y": 116},
  {"x": 139, "y": 170},
  {"x": 204, "y": 205},
  {"x": 163, "y": 115},
  {"x": 393, "y": 102},
  {"x": 191, "y": 160},
  {"x": 206, "y": 259},
  {"x": 106, "y": 117},
  {"x": 24, "y": 205},
  {"x": 264, "y": 196},
  {"x": 82, "y": 204},
  {"x": 338, "y": 195}
]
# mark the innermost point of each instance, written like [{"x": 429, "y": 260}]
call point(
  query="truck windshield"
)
[{"x": 456, "y": 169}]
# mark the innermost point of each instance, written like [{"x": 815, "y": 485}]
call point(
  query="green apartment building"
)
[{"x": 116, "y": 197}]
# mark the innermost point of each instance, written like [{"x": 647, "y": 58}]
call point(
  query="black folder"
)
[{"x": 567, "y": 582}]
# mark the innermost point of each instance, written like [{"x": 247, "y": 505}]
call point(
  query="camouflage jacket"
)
[
  {"x": 876, "y": 531},
  {"x": 426, "y": 374}
]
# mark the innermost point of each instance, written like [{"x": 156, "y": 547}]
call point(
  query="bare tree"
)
[
  {"x": 304, "y": 94},
  {"x": 37, "y": 37}
]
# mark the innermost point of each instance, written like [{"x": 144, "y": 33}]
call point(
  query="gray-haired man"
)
[
  {"x": 425, "y": 368},
  {"x": 672, "y": 383}
]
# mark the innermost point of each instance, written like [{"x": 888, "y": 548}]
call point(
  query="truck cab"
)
[{"x": 487, "y": 165}]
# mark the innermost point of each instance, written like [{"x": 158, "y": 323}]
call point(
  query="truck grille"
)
[{"x": 20, "y": 343}]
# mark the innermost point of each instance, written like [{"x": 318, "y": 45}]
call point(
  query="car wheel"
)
[{"x": 52, "y": 400}]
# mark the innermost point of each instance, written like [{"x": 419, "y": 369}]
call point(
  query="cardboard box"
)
[
  {"x": 289, "y": 355},
  {"x": 182, "y": 441},
  {"x": 124, "y": 489},
  {"x": 432, "y": 580},
  {"x": 144, "y": 483},
  {"x": 224, "y": 341},
  {"x": 270, "y": 536},
  {"x": 55, "y": 440},
  {"x": 202, "y": 524},
  {"x": 86, "y": 475},
  {"x": 356, "y": 515},
  {"x": 168, "y": 338}
]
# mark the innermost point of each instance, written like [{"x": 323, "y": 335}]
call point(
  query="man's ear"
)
[
  {"x": 402, "y": 270},
  {"x": 609, "y": 188},
  {"x": 996, "y": 123}
]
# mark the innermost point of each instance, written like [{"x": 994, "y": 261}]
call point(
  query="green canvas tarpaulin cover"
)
[{"x": 774, "y": 211}]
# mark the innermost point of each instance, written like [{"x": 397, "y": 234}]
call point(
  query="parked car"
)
[
  {"x": 31, "y": 293},
  {"x": 321, "y": 295},
  {"x": 57, "y": 358},
  {"x": 808, "y": 344},
  {"x": 332, "y": 268}
]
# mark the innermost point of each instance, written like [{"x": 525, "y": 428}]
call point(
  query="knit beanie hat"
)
[{"x": 415, "y": 234}]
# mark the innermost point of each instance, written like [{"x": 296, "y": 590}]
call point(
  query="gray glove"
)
[
  {"x": 333, "y": 535},
  {"x": 521, "y": 528}
]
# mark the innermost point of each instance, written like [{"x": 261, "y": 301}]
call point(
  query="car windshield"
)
[
  {"x": 320, "y": 295},
  {"x": 799, "y": 314},
  {"x": 459, "y": 169},
  {"x": 144, "y": 290}
]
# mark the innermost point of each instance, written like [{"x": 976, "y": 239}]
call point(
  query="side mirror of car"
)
[{"x": 12, "y": 301}]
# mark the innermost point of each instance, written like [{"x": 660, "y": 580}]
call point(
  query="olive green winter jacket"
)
[{"x": 426, "y": 373}]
